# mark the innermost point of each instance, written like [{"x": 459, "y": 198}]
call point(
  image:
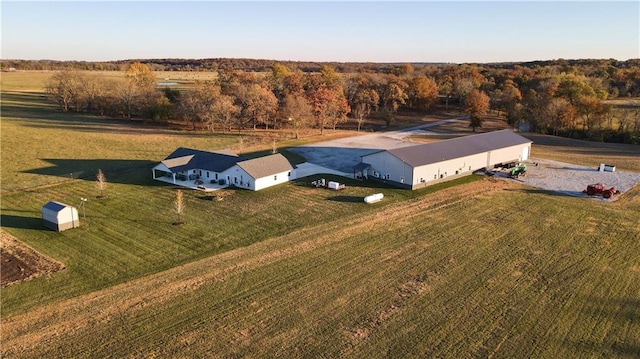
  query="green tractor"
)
[{"x": 518, "y": 171}]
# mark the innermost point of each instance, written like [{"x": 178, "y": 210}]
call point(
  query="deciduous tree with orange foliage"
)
[{"x": 476, "y": 105}]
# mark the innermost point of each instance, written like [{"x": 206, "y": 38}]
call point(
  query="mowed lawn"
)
[{"x": 475, "y": 268}]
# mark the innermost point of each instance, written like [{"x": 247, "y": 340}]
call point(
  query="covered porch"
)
[{"x": 193, "y": 181}]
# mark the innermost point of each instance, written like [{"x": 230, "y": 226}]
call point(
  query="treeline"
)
[
  {"x": 560, "y": 99},
  {"x": 239, "y": 99}
]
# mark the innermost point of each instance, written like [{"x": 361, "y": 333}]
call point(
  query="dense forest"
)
[{"x": 560, "y": 97}]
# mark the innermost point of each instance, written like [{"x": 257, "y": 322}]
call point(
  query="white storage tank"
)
[
  {"x": 59, "y": 216},
  {"x": 374, "y": 198},
  {"x": 333, "y": 185}
]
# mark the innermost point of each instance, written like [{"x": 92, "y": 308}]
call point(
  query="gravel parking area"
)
[{"x": 570, "y": 179}]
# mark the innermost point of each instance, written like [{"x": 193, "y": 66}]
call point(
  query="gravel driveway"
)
[{"x": 570, "y": 179}]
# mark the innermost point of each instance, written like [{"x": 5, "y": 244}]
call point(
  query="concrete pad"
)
[
  {"x": 344, "y": 153},
  {"x": 309, "y": 169}
]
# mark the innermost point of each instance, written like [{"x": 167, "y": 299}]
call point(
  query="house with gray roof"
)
[
  {"x": 213, "y": 170},
  {"x": 258, "y": 173},
  {"x": 422, "y": 165}
]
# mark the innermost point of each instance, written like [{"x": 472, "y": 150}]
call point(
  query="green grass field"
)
[{"x": 472, "y": 268}]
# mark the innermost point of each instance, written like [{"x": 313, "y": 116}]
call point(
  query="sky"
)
[{"x": 340, "y": 31}]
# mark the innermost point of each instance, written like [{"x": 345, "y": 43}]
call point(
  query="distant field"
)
[
  {"x": 36, "y": 81},
  {"x": 476, "y": 267}
]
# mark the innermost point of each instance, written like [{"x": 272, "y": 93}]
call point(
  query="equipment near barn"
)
[
  {"x": 322, "y": 183},
  {"x": 518, "y": 171},
  {"x": 599, "y": 189}
]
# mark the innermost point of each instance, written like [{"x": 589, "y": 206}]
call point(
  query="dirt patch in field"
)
[
  {"x": 571, "y": 179},
  {"x": 21, "y": 262}
]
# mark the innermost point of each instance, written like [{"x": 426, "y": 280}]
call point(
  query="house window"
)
[
  {"x": 435, "y": 176},
  {"x": 469, "y": 168},
  {"x": 289, "y": 174},
  {"x": 275, "y": 178},
  {"x": 388, "y": 176},
  {"x": 235, "y": 180},
  {"x": 200, "y": 173},
  {"x": 207, "y": 174},
  {"x": 401, "y": 179},
  {"x": 216, "y": 175}
]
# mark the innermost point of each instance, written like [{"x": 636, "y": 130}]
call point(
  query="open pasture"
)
[
  {"x": 466, "y": 271},
  {"x": 477, "y": 267},
  {"x": 36, "y": 81}
]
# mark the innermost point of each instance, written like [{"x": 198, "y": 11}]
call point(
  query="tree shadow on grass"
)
[
  {"x": 620, "y": 311},
  {"x": 548, "y": 192},
  {"x": 123, "y": 171}
]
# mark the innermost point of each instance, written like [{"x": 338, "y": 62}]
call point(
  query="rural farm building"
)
[
  {"x": 59, "y": 216},
  {"x": 213, "y": 170},
  {"x": 422, "y": 165},
  {"x": 258, "y": 173}
]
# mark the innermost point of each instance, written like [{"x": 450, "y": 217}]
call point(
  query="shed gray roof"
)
[
  {"x": 186, "y": 158},
  {"x": 55, "y": 206},
  {"x": 434, "y": 152},
  {"x": 266, "y": 166}
]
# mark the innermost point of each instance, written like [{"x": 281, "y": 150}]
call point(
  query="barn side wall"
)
[
  {"x": 387, "y": 167},
  {"x": 507, "y": 154}
]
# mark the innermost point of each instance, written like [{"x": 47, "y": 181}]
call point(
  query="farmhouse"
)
[
  {"x": 213, "y": 170},
  {"x": 59, "y": 216},
  {"x": 422, "y": 165}
]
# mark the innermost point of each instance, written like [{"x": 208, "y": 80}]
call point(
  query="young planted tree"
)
[
  {"x": 178, "y": 207},
  {"x": 101, "y": 183}
]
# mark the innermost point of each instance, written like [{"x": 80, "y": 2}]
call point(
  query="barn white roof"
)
[{"x": 444, "y": 150}]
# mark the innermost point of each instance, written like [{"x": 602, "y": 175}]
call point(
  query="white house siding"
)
[
  {"x": 271, "y": 180},
  {"x": 388, "y": 167},
  {"x": 240, "y": 178},
  {"x": 236, "y": 176}
]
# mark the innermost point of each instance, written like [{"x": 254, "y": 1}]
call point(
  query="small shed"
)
[{"x": 59, "y": 216}]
